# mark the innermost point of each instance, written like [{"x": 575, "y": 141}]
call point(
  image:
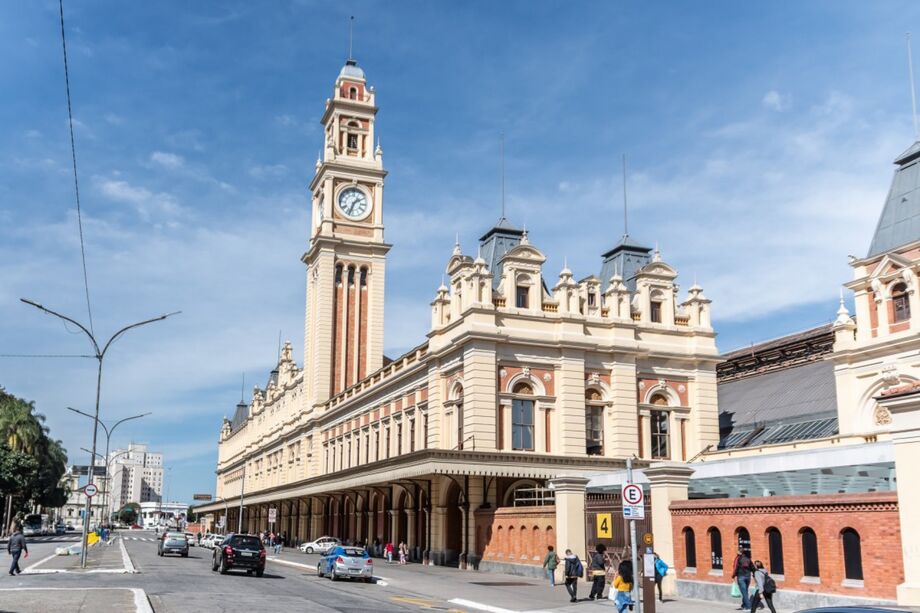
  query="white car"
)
[
  {"x": 211, "y": 541},
  {"x": 191, "y": 538},
  {"x": 320, "y": 545}
]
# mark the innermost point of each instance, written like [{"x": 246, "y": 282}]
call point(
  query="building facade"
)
[
  {"x": 472, "y": 446},
  {"x": 71, "y": 513},
  {"x": 137, "y": 476}
]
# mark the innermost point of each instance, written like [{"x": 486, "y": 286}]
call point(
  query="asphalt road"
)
[{"x": 175, "y": 584}]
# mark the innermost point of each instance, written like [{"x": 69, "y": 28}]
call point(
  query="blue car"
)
[{"x": 344, "y": 562}]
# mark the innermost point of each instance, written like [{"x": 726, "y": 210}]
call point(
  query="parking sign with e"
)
[{"x": 632, "y": 494}]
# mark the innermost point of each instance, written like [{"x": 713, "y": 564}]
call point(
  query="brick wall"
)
[
  {"x": 515, "y": 535},
  {"x": 873, "y": 515}
]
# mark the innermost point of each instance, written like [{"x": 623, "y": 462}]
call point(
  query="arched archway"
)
[{"x": 453, "y": 525}]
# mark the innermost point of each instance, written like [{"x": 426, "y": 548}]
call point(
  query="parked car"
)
[
  {"x": 321, "y": 545},
  {"x": 60, "y": 529},
  {"x": 243, "y": 551},
  {"x": 211, "y": 540},
  {"x": 173, "y": 542},
  {"x": 192, "y": 538},
  {"x": 346, "y": 563},
  {"x": 70, "y": 527}
]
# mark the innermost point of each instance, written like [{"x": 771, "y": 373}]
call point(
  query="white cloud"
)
[
  {"x": 775, "y": 101},
  {"x": 167, "y": 160},
  {"x": 149, "y": 205},
  {"x": 268, "y": 171}
]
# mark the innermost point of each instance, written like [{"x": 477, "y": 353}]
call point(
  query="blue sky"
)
[{"x": 760, "y": 138}]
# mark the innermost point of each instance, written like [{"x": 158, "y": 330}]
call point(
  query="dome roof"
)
[{"x": 351, "y": 70}]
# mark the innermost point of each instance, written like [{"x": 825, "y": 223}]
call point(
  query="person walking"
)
[
  {"x": 550, "y": 562},
  {"x": 388, "y": 551},
  {"x": 661, "y": 569},
  {"x": 16, "y": 546},
  {"x": 741, "y": 573},
  {"x": 573, "y": 571},
  {"x": 623, "y": 583},
  {"x": 598, "y": 570},
  {"x": 765, "y": 589},
  {"x": 403, "y": 552}
]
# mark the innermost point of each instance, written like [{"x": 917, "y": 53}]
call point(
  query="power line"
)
[
  {"x": 44, "y": 355},
  {"x": 73, "y": 155}
]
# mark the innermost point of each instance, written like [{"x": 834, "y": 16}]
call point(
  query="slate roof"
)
[
  {"x": 495, "y": 243},
  {"x": 899, "y": 223},
  {"x": 627, "y": 258},
  {"x": 239, "y": 417}
]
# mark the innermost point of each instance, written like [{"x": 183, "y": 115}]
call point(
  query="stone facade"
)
[{"x": 521, "y": 379}]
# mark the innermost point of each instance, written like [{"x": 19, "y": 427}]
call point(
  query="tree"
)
[
  {"x": 129, "y": 513},
  {"x": 191, "y": 515}
]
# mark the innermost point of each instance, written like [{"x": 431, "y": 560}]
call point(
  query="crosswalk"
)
[
  {"x": 139, "y": 538},
  {"x": 53, "y": 538}
]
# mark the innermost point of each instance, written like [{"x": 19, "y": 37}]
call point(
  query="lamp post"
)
[
  {"x": 108, "y": 475},
  {"x": 108, "y": 439},
  {"x": 100, "y": 356},
  {"x": 226, "y": 511}
]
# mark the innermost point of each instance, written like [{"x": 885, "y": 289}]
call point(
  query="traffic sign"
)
[
  {"x": 272, "y": 515},
  {"x": 201, "y": 497},
  {"x": 632, "y": 494},
  {"x": 633, "y": 502},
  {"x": 604, "y": 525},
  {"x": 90, "y": 490}
]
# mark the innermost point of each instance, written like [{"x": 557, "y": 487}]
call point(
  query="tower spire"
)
[
  {"x": 913, "y": 89},
  {"x": 351, "y": 32},
  {"x": 503, "y": 173}
]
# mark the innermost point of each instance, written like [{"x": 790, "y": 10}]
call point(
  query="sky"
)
[{"x": 760, "y": 139}]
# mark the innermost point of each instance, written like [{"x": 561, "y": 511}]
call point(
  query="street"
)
[{"x": 175, "y": 584}]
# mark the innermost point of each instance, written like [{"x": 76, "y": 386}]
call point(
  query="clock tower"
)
[{"x": 346, "y": 258}]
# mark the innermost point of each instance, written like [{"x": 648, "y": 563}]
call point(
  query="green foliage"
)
[
  {"x": 129, "y": 513},
  {"x": 31, "y": 463},
  {"x": 190, "y": 515}
]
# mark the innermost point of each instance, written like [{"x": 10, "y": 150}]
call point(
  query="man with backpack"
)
[
  {"x": 574, "y": 570},
  {"x": 550, "y": 562},
  {"x": 765, "y": 589},
  {"x": 741, "y": 573}
]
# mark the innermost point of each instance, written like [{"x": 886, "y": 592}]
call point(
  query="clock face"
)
[{"x": 353, "y": 203}]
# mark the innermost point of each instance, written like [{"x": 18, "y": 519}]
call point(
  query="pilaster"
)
[{"x": 669, "y": 483}]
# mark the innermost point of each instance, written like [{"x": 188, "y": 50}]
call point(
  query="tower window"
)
[
  {"x": 363, "y": 277},
  {"x": 353, "y": 93},
  {"x": 655, "y": 314},
  {"x": 591, "y": 299},
  {"x": 338, "y": 274},
  {"x": 351, "y": 275},
  {"x": 522, "y": 297},
  {"x": 352, "y": 141},
  {"x": 901, "y": 302}
]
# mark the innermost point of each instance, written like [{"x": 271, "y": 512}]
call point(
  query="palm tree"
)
[{"x": 19, "y": 426}]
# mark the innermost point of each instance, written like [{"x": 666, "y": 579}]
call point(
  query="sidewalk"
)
[
  {"x": 492, "y": 592},
  {"x": 74, "y": 600},
  {"x": 100, "y": 558}
]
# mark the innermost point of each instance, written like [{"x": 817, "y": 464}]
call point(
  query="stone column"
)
[
  {"x": 570, "y": 516},
  {"x": 464, "y": 540},
  {"x": 394, "y": 528},
  {"x": 410, "y": 529},
  {"x": 669, "y": 483}
]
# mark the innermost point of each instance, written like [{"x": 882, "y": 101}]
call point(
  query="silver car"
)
[{"x": 173, "y": 542}]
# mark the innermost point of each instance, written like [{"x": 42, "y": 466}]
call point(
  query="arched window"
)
[
  {"x": 810, "y": 553},
  {"x": 852, "y": 554},
  {"x": 744, "y": 540},
  {"x": 363, "y": 276},
  {"x": 715, "y": 548},
  {"x": 353, "y": 93},
  {"x": 338, "y": 274},
  {"x": 352, "y": 141},
  {"x": 594, "y": 422},
  {"x": 901, "y": 302},
  {"x": 655, "y": 311},
  {"x": 351, "y": 275},
  {"x": 775, "y": 543},
  {"x": 458, "y": 396},
  {"x": 660, "y": 422},
  {"x": 522, "y": 297},
  {"x": 522, "y": 418},
  {"x": 690, "y": 547}
]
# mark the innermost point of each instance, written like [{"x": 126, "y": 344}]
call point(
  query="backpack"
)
[
  {"x": 769, "y": 585},
  {"x": 661, "y": 567},
  {"x": 579, "y": 568}
]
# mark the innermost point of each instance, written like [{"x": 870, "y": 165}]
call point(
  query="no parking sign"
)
[{"x": 633, "y": 501}]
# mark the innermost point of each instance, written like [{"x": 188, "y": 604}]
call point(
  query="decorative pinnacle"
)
[{"x": 457, "y": 250}]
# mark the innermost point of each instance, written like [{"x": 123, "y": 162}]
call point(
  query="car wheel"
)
[
  {"x": 249, "y": 572},
  {"x": 213, "y": 564},
  {"x": 309, "y": 550},
  {"x": 334, "y": 575},
  {"x": 319, "y": 569},
  {"x": 260, "y": 572},
  {"x": 369, "y": 580},
  {"x": 185, "y": 555},
  {"x": 223, "y": 567}
]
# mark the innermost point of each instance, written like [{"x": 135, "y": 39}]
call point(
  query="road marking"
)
[
  {"x": 125, "y": 558},
  {"x": 28, "y": 570},
  {"x": 487, "y": 607}
]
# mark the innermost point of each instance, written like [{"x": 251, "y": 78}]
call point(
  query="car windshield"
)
[
  {"x": 175, "y": 535},
  {"x": 246, "y": 542},
  {"x": 354, "y": 552}
]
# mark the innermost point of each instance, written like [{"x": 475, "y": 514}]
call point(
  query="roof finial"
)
[
  {"x": 625, "y": 213},
  {"x": 351, "y": 31},
  {"x": 503, "y": 173},
  {"x": 457, "y": 250},
  {"x": 913, "y": 90},
  {"x": 242, "y": 387}
]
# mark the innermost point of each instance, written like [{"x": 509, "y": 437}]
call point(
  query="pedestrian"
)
[
  {"x": 388, "y": 551},
  {"x": 550, "y": 562},
  {"x": 403, "y": 552},
  {"x": 661, "y": 569},
  {"x": 623, "y": 583},
  {"x": 574, "y": 570},
  {"x": 16, "y": 547},
  {"x": 765, "y": 589},
  {"x": 741, "y": 573},
  {"x": 597, "y": 568},
  {"x": 279, "y": 543}
]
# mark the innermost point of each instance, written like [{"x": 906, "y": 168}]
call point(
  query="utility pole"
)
[
  {"x": 632, "y": 546},
  {"x": 100, "y": 356}
]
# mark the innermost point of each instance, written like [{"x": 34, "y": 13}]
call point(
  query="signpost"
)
[
  {"x": 272, "y": 515},
  {"x": 201, "y": 497},
  {"x": 90, "y": 490},
  {"x": 630, "y": 499}
]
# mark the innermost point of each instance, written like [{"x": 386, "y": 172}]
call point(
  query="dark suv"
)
[{"x": 243, "y": 551}]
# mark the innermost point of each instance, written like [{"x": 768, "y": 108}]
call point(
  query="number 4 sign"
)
[{"x": 604, "y": 525}]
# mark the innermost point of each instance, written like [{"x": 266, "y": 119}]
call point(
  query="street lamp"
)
[
  {"x": 99, "y": 355},
  {"x": 108, "y": 438},
  {"x": 108, "y": 474},
  {"x": 226, "y": 512}
]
